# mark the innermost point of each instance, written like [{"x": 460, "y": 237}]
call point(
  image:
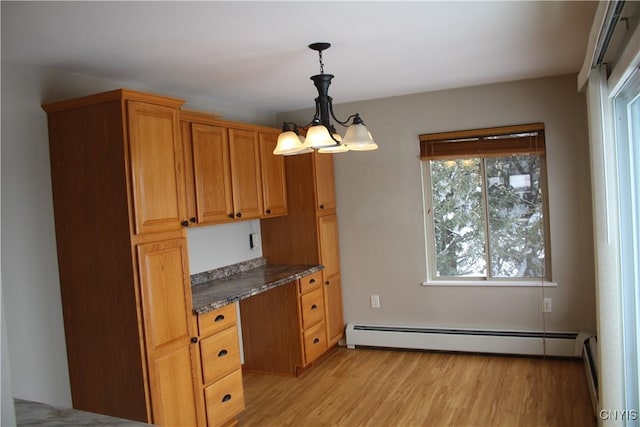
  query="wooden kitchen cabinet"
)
[
  {"x": 246, "y": 178},
  {"x": 156, "y": 163},
  {"x": 211, "y": 171},
  {"x": 309, "y": 232},
  {"x": 166, "y": 305},
  {"x": 229, "y": 176},
  {"x": 119, "y": 204},
  {"x": 274, "y": 184},
  {"x": 324, "y": 181},
  {"x": 221, "y": 382},
  {"x": 330, "y": 256}
]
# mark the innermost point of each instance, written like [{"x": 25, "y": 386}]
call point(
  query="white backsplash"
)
[{"x": 216, "y": 246}]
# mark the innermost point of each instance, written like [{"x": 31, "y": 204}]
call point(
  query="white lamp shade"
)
[
  {"x": 304, "y": 150},
  {"x": 358, "y": 138},
  {"x": 288, "y": 143},
  {"x": 336, "y": 148},
  {"x": 318, "y": 136}
]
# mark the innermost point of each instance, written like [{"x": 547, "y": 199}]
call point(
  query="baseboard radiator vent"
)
[{"x": 565, "y": 344}]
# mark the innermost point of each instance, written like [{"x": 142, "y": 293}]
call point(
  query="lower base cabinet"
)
[{"x": 221, "y": 379}]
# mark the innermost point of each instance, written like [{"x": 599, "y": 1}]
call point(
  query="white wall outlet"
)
[
  {"x": 547, "y": 306},
  {"x": 375, "y": 301}
]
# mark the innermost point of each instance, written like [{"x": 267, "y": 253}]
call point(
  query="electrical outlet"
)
[
  {"x": 375, "y": 301},
  {"x": 547, "y": 307}
]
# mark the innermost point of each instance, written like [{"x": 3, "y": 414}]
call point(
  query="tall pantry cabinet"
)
[
  {"x": 120, "y": 212},
  {"x": 309, "y": 233}
]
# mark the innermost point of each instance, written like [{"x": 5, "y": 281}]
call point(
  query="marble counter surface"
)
[
  {"x": 30, "y": 413},
  {"x": 242, "y": 283}
]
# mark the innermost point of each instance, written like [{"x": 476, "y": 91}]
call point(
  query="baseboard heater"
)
[{"x": 465, "y": 340}]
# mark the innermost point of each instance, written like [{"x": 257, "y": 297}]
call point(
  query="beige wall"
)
[{"x": 381, "y": 218}]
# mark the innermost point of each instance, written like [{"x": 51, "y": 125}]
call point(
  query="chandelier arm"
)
[{"x": 344, "y": 123}]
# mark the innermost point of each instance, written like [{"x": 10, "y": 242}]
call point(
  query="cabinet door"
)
[
  {"x": 329, "y": 250},
  {"x": 274, "y": 186},
  {"x": 245, "y": 173},
  {"x": 333, "y": 309},
  {"x": 325, "y": 183},
  {"x": 212, "y": 173},
  {"x": 156, "y": 164},
  {"x": 166, "y": 307},
  {"x": 330, "y": 258}
]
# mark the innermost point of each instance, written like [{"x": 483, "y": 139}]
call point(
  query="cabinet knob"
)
[
  {"x": 314, "y": 307},
  {"x": 312, "y": 281},
  {"x": 185, "y": 223},
  {"x": 316, "y": 341},
  {"x": 230, "y": 215},
  {"x": 194, "y": 340},
  {"x": 223, "y": 353},
  {"x": 239, "y": 215},
  {"x": 226, "y": 398},
  {"x": 321, "y": 206},
  {"x": 193, "y": 219},
  {"x": 268, "y": 211},
  {"x": 327, "y": 282}
]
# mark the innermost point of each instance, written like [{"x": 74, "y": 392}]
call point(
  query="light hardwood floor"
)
[{"x": 373, "y": 387}]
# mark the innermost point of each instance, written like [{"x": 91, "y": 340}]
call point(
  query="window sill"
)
[{"x": 492, "y": 283}]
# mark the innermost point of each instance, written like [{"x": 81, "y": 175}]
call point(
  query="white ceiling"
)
[{"x": 256, "y": 52}]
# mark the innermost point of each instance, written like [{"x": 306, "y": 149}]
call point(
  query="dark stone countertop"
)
[
  {"x": 30, "y": 413},
  {"x": 216, "y": 293}
]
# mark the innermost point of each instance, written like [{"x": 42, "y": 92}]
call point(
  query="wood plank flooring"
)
[{"x": 374, "y": 387}]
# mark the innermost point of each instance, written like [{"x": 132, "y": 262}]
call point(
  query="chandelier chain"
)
[{"x": 321, "y": 63}]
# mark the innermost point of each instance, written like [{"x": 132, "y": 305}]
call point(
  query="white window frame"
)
[{"x": 429, "y": 238}]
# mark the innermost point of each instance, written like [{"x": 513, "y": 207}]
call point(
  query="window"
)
[{"x": 485, "y": 204}]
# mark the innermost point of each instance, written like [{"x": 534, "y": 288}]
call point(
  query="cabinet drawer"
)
[
  {"x": 224, "y": 399},
  {"x": 310, "y": 282},
  {"x": 220, "y": 354},
  {"x": 312, "y": 308},
  {"x": 216, "y": 320},
  {"x": 315, "y": 342}
]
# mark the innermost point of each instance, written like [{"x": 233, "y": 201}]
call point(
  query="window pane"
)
[
  {"x": 516, "y": 223},
  {"x": 458, "y": 218}
]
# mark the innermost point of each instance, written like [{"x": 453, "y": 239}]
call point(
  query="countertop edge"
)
[{"x": 202, "y": 309}]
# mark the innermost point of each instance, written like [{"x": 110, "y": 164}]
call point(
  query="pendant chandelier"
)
[{"x": 320, "y": 134}]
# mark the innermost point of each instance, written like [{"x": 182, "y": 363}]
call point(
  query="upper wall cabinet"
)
[
  {"x": 230, "y": 175},
  {"x": 274, "y": 186},
  {"x": 156, "y": 167},
  {"x": 246, "y": 178}
]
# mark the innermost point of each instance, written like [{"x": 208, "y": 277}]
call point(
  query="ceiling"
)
[{"x": 256, "y": 52}]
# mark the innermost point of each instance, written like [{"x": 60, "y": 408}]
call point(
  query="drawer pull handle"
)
[
  {"x": 312, "y": 281},
  {"x": 314, "y": 307},
  {"x": 223, "y": 353},
  {"x": 316, "y": 340},
  {"x": 226, "y": 398},
  {"x": 219, "y": 318}
]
